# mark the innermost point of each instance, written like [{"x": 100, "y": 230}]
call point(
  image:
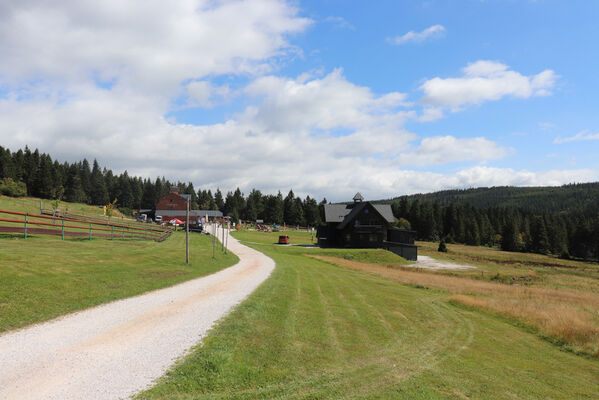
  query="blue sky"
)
[{"x": 326, "y": 97}]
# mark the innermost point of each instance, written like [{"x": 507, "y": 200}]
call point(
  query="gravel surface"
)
[
  {"x": 117, "y": 349},
  {"x": 430, "y": 263}
]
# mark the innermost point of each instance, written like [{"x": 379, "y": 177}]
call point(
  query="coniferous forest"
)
[
  {"x": 563, "y": 221},
  {"x": 31, "y": 173}
]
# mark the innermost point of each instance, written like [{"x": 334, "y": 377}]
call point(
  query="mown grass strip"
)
[{"x": 318, "y": 331}]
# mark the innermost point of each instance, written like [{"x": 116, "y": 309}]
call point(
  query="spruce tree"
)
[
  {"x": 218, "y": 199},
  {"x": 99, "y": 194}
]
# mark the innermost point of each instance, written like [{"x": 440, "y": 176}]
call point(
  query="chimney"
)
[{"x": 174, "y": 190}]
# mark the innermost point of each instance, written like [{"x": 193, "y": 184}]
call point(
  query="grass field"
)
[
  {"x": 43, "y": 277},
  {"x": 519, "y": 268},
  {"x": 32, "y": 205},
  {"x": 315, "y": 330}
]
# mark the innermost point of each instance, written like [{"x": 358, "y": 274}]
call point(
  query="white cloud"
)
[
  {"x": 485, "y": 81},
  {"x": 148, "y": 45},
  {"x": 205, "y": 94},
  {"x": 580, "y": 136},
  {"x": 340, "y": 22},
  {"x": 487, "y": 176},
  {"x": 430, "y": 114},
  {"x": 448, "y": 149},
  {"x": 431, "y": 32},
  {"x": 326, "y": 104},
  {"x": 547, "y": 126},
  {"x": 269, "y": 150},
  {"x": 96, "y": 79}
]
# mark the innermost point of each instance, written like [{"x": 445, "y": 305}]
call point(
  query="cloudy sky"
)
[{"x": 328, "y": 97}]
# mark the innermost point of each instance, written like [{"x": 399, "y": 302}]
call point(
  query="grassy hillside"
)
[
  {"x": 32, "y": 205},
  {"x": 315, "y": 330},
  {"x": 43, "y": 277},
  {"x": 549, "y": 199}
]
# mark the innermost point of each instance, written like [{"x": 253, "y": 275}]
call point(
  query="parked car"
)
[
  {"x": 283, "y": 239},
  {"x": 158, "y": 219}
]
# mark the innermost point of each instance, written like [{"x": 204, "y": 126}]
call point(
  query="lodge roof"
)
[{"x": 342, "y": 212}]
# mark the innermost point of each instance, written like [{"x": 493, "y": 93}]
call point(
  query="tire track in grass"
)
[
  {"x": 332, "y": 332},
  {"x": 350, "y": 319},
  {"x": 376, "y": 365},
  {"x": 439, "y": 343}
]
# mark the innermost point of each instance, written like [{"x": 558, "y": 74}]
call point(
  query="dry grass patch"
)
[{"x": 570, "y": 317}]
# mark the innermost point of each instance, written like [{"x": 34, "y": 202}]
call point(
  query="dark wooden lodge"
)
[{"x": 365, "y": 225}]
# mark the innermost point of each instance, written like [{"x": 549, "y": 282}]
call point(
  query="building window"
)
[
  {"x": 373, "y": 237},
  {"x": 171, "y": 200}
]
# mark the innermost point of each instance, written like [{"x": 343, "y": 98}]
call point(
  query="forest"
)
[
  {"x": 563, "y": 221},
  {"x": 544, "y": 199},
  {"x": 31, "y": 173},
  {"x": 569, "y": 233}
]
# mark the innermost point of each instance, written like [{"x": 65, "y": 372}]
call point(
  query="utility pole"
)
[
  {"x": 222, "y": 243},
  {"x": 227, "y": 237},
  {"x": 187, "y": 232},
  {"x": 213, "y": 240}
]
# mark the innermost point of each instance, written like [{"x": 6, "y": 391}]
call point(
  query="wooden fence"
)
[{"x": 67, "y": 226}]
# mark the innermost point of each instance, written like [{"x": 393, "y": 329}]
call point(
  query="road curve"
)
[{"x": 117, "y": 349}]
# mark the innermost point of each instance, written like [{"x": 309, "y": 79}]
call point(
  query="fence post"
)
[
  {"x": 90, "y": 231},
  {"x": 26, "y": 215},
  {"x": 63, "y": 229}
]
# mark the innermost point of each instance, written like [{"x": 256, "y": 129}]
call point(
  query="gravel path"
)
[
  {"x": 427, "y": 262},
  {"x": 115, "y": 350}
]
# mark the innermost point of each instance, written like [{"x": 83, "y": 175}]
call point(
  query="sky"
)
[{"x": 325, "y": 97}]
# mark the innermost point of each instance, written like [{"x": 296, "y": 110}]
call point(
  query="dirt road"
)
[{"x": 117, "y": 349}]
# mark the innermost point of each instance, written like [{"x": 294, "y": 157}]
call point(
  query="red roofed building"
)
[{"x": 174, "y": 205}]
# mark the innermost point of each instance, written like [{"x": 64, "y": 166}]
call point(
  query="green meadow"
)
[
  {"x": 316, "y": 330},
  {"x": 43, "y": 277}
]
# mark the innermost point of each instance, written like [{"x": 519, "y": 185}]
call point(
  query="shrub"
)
[
  {"x": 442, "y": 246},
  {"x": 11, "y": 188},
  {"x": 126, "y": 211},
  {"x": 565, "y": 255}
]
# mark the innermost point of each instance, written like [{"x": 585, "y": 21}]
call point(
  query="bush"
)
[
  {"x": 442, "y": 246},
  {"x": 11, "y": 188},
  {"x": 565, "y": 255},
  {"x": 126, "y": 211}
]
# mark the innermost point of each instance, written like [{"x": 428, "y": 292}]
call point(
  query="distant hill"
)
[{"x": 580, "y": 197}]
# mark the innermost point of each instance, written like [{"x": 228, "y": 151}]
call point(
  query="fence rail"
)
[
  {"x": 64, "y": 226},
  {"x": 91, "y": 218}
]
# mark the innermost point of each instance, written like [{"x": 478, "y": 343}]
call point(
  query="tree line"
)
[
  {"x": 542, "y": 199},
  {"x": 571, "y": 233},
  {"x": 553, "y": 223},
  {"x": 31, "y": 173}
]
